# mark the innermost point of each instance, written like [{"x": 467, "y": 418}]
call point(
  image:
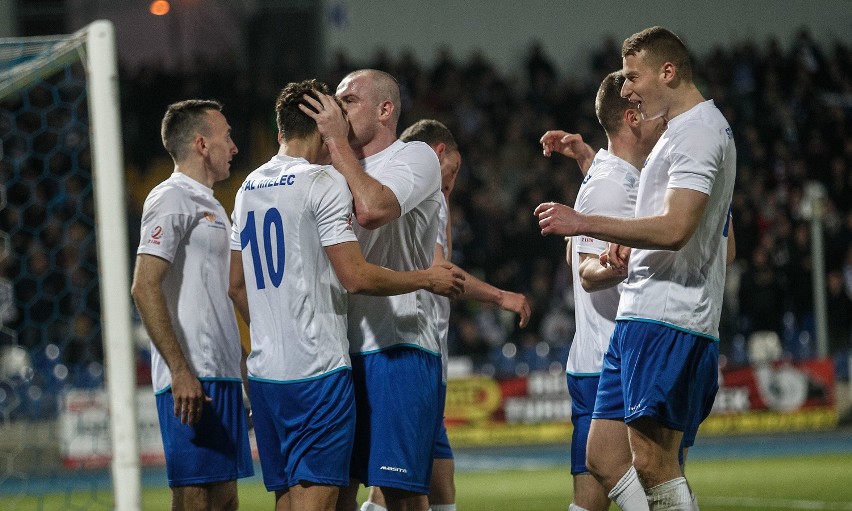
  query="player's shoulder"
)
[
  {"x": 170, "y": 194},
  {"x": 414, "y": 149},
  {"x": 702, "y": 123},
  {"x": 611, "y": 169}
]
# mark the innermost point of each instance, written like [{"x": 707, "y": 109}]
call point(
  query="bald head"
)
[{"x": 382, "y": 86}]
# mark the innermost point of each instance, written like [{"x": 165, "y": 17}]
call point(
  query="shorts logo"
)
[{"x": 394, "y": 469}]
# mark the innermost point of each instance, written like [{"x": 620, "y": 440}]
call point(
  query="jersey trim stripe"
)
[
  {"x": 169, "y": 387},
  {"x": 301, "y": 380},
  {"x": 400, "y": 345},
  {"x": 663, "y": 323},
  {"x": 582, "y": 375}
]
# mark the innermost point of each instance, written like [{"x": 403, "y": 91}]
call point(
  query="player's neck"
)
[
  {"x": 384, "y": 138},
  {"x": 309, "y": 148},
  {"x": 626, "y": 150},
  {"x": 196, "y": 172},
  {"x": 683, "y": 101}
]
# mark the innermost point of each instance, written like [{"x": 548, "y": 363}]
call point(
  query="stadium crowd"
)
[{"x": 789, "y": 104}]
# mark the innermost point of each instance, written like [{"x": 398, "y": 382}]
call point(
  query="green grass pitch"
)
[{"x": 782, "y": 483}]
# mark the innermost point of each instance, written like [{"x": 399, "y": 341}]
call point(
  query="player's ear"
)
[
  {"x": 280, "y": 137},
  {"x": 668, "y": 72},
  {"x": 199, "y": 144},
  {"x": 440, "y": 149},
  {"x": 386, "y": 109},
  {"x": 632, "y": 117}
]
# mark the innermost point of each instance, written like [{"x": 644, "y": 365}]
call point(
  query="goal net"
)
[{"x": 66, "y": 348}]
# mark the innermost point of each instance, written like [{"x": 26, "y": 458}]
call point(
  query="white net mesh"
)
[{"x": 50, "y": 338}]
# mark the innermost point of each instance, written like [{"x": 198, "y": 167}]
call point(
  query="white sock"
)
[
  {"x": 694, "y": 500},
  {"x": 672, "y": 495},
  {"x": 443, "y": 507},
  {"x": 628, "y": 492},
  {"x": 575, "y": 507},
  {"x": 372, "y": 506}
]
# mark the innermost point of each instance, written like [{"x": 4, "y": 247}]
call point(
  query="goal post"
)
[
  {"x": 108, "y": 176},
  {"x": 62, "y": 151}
]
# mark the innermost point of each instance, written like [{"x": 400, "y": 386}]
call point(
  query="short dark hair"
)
[
  {"x": 183, "y": 120},
  {"x": 609, "y": 105},
  {"x": 292, "y": 122},
  {"x": 661, "y": 45},
  {"x": 430, "y": 131}
]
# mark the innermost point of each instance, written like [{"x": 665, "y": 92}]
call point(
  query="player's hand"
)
[
  {"x": 516, "y": 303},
  {"x": 555, "y": 218},
  {"x": 616, "y": 257},
  {"x": 446, "y": 280},
  {"x": 188, "y": 396},
  {"x": 570, "y": 145},
  {"x": 330, "y": 118}
]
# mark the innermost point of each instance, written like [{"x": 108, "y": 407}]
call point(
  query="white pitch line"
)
[{"x": 740, "y": 502}]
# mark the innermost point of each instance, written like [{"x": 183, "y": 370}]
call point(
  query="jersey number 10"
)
[{"x": 273, "y": 232}]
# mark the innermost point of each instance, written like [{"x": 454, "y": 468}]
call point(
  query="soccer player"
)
[
  {"x": 665, "y": 342},
  {"x": 609, "y": 189},
  {"x": 293, "y": 254},
  {"x": 181, "y": 291},
  {"x": 396, "y": 363},
  {"x": 442, "y": 492}
]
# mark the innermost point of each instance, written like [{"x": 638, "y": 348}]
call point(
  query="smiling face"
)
[
  {"x": 644, "y": 86},
  {"x": 220, "y": 147}
]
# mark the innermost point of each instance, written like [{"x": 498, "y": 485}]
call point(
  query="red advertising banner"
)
[{"x": 779, "y": 397}]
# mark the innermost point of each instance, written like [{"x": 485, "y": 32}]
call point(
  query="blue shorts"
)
[
  {"x": 304, "y": 429},
  {"x": 398, "y": 396},
  {"x": 442, "y": 441},
  {"x": 657, "y": 371},
  {"x": 214, "y": 450},
  {"x": 582, "y": 390}
]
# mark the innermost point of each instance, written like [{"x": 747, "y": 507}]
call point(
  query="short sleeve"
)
[
  {"x": 331, "y": 201},
  {"x": 412, "y": 174}
]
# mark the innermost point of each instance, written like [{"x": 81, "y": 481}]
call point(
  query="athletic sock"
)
[
  {"x": 672, "y": 495},
  {"x": 575, "y": 507},
  {"x": 443, "y": 507},
  {"x": 628, "y": 492},
  {"x": 372, "y": 506},
  {"x": 694, "y": 500}
]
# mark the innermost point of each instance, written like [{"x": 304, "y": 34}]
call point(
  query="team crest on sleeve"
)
[{"x": 156, "y": 235}]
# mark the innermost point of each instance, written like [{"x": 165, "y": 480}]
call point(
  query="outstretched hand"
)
[
  {"x": 570, "y": 145},
  {"x": 555, "y": 218},
  {"x": 446, "y": 280}
]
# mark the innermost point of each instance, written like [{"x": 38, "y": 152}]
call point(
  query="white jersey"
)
[
  {"x": 683, "y": 289},
  {"x": 442, "y": 303},
  {"x": 609, "y": 189},
  {"x": 411, "y": 171},
  {"x": 184, "y": 224},
  {"x": 285, "y": 212}
]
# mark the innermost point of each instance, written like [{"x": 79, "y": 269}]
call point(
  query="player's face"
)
[
  {"x": 362, "y": 110},
  {"x": 220, "y": 148},
  {"x": 643, "y": 85},
  {"x": 450, "y": 164}
]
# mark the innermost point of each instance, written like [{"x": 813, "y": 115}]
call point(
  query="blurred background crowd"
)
[{"x": 790, "y": 107}]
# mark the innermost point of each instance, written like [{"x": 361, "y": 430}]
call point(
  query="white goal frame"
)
[{"x": 95, "y": 46}]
